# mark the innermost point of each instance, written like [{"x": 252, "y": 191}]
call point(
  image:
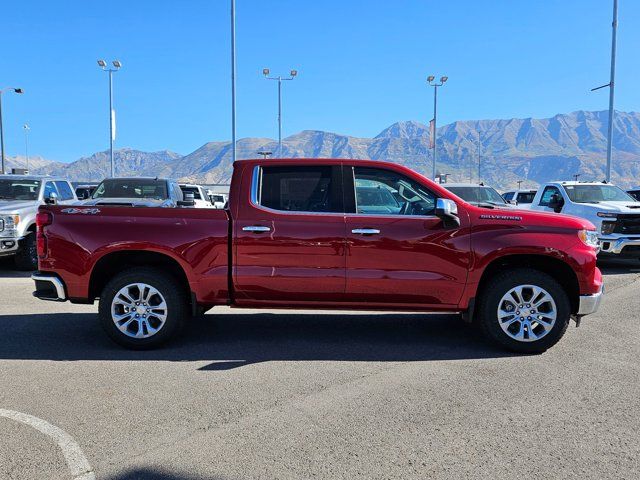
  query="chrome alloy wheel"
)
[
  {"x": 527, "y": 313},
  {"x": 139, "y": 310}
]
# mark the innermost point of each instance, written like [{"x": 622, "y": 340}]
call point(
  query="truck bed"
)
[{"x": 196, "y": 239}]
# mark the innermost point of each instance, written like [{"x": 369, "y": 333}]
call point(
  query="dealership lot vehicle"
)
[
  {"x": 296, "y": 394},
  {"x": 20, "y": 197},
  {"x": 477, "y": 194},
  {"x": 218, "y": 200},
  {"x": 200, "y": 198},
  {"x": 138, "y": 192},
  {"x": 614, "y": 212},
  {"x": 299, "y": 233},
  {"x": 521, "y": 198}
]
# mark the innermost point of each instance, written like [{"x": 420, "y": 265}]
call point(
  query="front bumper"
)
[
  {"x": 49, "y": 287},
  {"x": 589, "y": 303},
  {"x": 616, "y": 246},
  {"x": 9, "y": 245}
]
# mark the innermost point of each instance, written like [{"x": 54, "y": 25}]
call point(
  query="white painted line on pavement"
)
[{"x": 76, "y": 461}]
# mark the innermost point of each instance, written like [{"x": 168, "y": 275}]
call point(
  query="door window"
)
[
  {"x": 508, "y": 196},
  {"x": 50, "y": 188},
  {"x": 385, "y": 192},
  {"x": 65, "y": 191},
  {"x": 547, "y": 194},
  {"x": 299, "y": 189}
]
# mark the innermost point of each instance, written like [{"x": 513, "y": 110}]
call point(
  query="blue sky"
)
[{"x": 362, "y": 66}]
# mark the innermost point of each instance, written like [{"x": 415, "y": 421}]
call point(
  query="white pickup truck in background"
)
[{"x": 615, "y": 213}]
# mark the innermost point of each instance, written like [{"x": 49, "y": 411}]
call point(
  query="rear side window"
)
[
  {"x": 299, "y": 189},
  {"x": 508, "y": 196},
  {"x": 547, "y": 194},
  {"x": 65, "y": 191}
]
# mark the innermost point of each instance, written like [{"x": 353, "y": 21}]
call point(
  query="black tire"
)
[
  {"x": 26, "y": 258},
  {"x": 492, "y": 295},
  {"x": 177, "y": 307}
]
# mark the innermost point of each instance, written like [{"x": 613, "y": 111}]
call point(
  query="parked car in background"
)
[
  {"x": 615, "y": 213},
  {"x": 20, "y": 197},
  {"x": 521, "y": 198},
  {"x": 295, "y": 236},
  {"x": 635, "y": 193},
  {"x": 200, "y": 198},
  {"x": 84, "y": 192},
  {"x": 477, "y": 194},
  {"x": 138, "y": 192},
  {"x": 218, "y": 200}
]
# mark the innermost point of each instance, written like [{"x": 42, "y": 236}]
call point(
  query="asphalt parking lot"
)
[{"x": 248, "y": 394}]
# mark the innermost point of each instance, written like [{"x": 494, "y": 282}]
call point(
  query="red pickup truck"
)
[{"x": 317, "y": 233}]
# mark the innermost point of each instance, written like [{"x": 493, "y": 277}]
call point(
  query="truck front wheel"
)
[
  {"x": 142, "y": 308},
  {"x": 27, "y": 255},
  {"x": 524, "y": 310}
]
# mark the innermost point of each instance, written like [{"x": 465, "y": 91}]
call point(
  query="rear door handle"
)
[
  {"x": 365, "y": 231},
  {"x": 256, "y": 229}
]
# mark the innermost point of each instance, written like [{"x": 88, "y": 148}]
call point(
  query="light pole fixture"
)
[
  {"x": 26, "y": 129},
  {"x": 519, "y": 184},
  {"x": 431, "y": 81},
  {"x": 265, "y": 153},
  {"x": 280, "y": 79},
  {"x": 6, "y": 89},
  {"x": 611, "y": 85},
  {"x": 233, "y": 80},
  {"x": 112, "y": 114}
]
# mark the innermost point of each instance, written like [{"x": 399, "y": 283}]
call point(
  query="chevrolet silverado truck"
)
[
  {"x": 309, "y": 234},
  {"x": 614, "y": 212}
]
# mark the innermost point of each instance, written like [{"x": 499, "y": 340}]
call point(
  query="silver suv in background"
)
[
  {"x": 521, "y": 198},
  {"x": 20, "y": 197}
]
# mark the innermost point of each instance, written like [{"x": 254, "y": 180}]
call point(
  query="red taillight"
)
[{"x": 43, "y": 219}]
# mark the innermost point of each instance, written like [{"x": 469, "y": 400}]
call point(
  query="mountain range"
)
[{"x": 531, "y": 150}]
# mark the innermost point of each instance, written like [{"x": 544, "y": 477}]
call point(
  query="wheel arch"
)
[
  {"x": 551, "y": 266},
  {"x": 114, "y": 263}
]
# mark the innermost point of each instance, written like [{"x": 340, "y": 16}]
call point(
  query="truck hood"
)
[
  {"x": 616, "y": 207},
  {"x": 534, "y": 218},
  {"x": 16, "y": 206}
]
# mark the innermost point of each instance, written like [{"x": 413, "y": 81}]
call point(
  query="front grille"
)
[{"x": 628, "y": 224}]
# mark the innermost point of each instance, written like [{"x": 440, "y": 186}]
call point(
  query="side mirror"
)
[
  {"x": 189, "y": 200},
  {"x": 556, "y": 202},
  {"x": 83, "y": 195},
  {"x": 52, "y": 199},
  {"x": 447, "y": 210}
]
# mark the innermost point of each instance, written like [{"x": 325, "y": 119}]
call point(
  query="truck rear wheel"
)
[
  {"x": 142, "y": 308},
  {"x": 524, "y": 310}
]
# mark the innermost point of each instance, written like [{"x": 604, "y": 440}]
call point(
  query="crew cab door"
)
[
  {"x": 399, "y": 253},
  {"x": 289, "y": 235}
]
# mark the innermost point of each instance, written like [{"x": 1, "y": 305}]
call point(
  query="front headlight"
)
[
  {"x": 607, "y": 215},
  {"x": 589, "y": 238},
  {"x": 10, "y": 224}
]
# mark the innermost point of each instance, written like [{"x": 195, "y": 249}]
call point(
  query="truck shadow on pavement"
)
[
  {"x": 155, "y": 474},
  {"x": 234, "y": 340}
]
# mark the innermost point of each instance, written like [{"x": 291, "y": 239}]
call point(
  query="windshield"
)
[
  {"x": 597, "y": 193},
  {"x": 479, "y": 194},
  {"x": 11, "y": 189},
  {"x": 194, "y": 190},
  {"x": 135, "y": 188}
]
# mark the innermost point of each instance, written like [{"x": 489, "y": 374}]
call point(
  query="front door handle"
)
[
  {"x": 365, "y": 231},
  {"x": 256, "y": 229}
]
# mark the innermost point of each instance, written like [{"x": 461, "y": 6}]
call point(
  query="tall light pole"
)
[
  {"x": 611, "y": 85},
  {"x": 6, "y": 89},
  {"x": 280, "y": 79},
  {"x": 435, "y": 85},
  {"x": 26, "y": 129},
  {"x": 112, "y": 115},
  {"x": 233, "y": 80},
  {"x": 265, "y": 153}
]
